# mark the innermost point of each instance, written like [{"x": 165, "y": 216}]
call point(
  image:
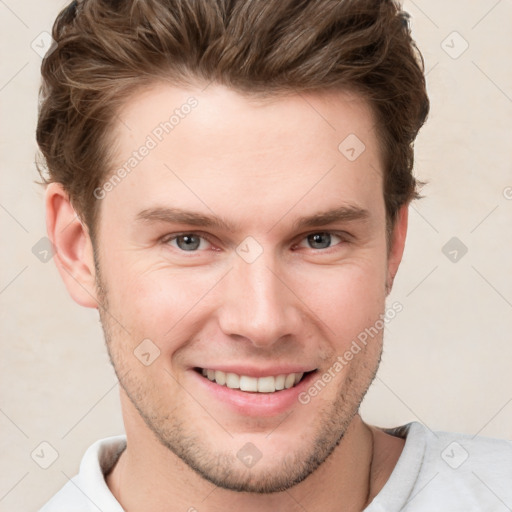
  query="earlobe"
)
[
  {"x": 397, "y": 245},
  {"x": 73, "y": 247}
]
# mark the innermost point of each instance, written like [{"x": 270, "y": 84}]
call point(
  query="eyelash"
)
[{"x": 344, "y": 237}]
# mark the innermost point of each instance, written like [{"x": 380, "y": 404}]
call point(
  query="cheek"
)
[
  {"x": 345, "y": 299},
  {"x": 157, "y": 303}
]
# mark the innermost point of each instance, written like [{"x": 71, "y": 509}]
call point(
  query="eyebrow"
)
[
  {"x": 341, "y": 214},
  {"x": 347, "y": 213},
  {"x": 179, "y": 216}
]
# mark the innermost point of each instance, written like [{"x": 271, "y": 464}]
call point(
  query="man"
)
[{"x": 228, "y": 185}]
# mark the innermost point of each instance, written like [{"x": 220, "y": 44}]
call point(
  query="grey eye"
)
[
  {"x": 188, "y": 242},
  {"x": 319, "y": 240}
]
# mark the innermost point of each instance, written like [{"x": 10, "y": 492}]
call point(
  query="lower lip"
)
[{"x": 255, "y": 404}]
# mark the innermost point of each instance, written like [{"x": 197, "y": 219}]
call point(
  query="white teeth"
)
[
  {"x": 248, "y": 383},
  {"x": 268, "y": 384},
  {"x": 280, "y": 382},
  {"x": 232, "y": 381},
  {"x": 289, "y": 381},
  {"x": 220, "y": 377}
]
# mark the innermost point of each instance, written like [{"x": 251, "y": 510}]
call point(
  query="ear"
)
[
  {"x": 73, "y": 247},
  {"x": 397, "y": 244}
]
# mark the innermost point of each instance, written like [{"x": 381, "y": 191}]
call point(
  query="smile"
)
[{"x": 267, "y": 384}]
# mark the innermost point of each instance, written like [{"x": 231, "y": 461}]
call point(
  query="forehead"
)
[
  {"x": 216, "y": 111},
  {"x": 213, "y": 149}
]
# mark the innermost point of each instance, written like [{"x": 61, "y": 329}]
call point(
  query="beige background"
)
[{"x": 447, "y": 354}]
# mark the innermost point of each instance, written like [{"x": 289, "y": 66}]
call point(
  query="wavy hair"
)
[{"x": 106, "y": 50}]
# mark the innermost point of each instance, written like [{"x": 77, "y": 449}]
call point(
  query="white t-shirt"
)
[{"x": 436, "y": 472}]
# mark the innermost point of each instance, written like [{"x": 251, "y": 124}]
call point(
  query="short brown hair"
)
[{"x": 108, "y": 49}]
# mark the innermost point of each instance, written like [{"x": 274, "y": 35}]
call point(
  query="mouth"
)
[{"x": 265, "y": 384}]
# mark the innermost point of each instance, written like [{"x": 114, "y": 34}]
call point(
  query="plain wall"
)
[{"x": 447, "y": 355}]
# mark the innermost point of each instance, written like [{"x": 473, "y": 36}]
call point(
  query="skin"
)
[{"x": 259, "y": 165}]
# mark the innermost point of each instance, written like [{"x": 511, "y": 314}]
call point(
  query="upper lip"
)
[{"x": 253, "y": 371}]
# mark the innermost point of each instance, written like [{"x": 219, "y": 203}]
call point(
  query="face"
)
[{"x": 241, "y": 254}]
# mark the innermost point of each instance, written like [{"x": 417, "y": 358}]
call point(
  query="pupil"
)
[
  {"x": 320, "y": 240},
  {"x": 188, "y": 242}
]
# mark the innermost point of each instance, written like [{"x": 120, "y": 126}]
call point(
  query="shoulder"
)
[
  {"x": 475, "y": 452},
  {"x": 448, "y": 471},
  {"x": 474, "y": 471},
  {"x": 68, "y": 499},
  {"x": 88, "y": 490}
]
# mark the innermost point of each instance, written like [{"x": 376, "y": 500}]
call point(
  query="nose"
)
[{"x": 258, "y": 304}]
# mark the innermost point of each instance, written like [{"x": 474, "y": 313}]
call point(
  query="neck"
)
[{"x": 149, "y": 476}]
